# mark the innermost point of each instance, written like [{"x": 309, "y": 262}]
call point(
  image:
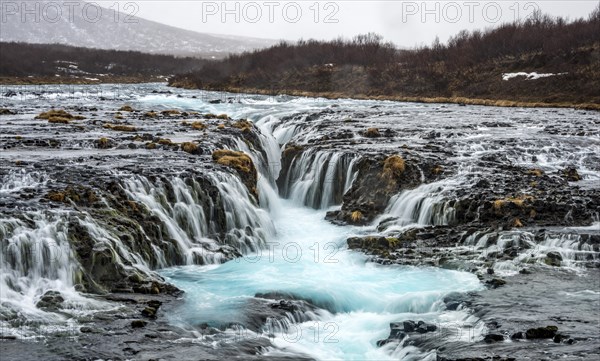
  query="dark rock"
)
[
  {"x": 409, "y": 326},
  {"x": 138, "y": 323},
  {"x": 85, "y": 329},
  {"x": 558, "y": 338},
  {"x": 518, "y": 336},
  {"x": 454, "y": 300},
  {"x": 4, "y": 111},
  {"x": 374, "y": 185},
  {"x": 149, "y": 312},
  {"x": 493, "y": 337},
  {"x": 425, "y": 327},
  {"x": 495, "y": 283},
  {"x": 553, "y": 259},
  {"x": 541, "y": 332},
  {"x": 571, "y": 174}
]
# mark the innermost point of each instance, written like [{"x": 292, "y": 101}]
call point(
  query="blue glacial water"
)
[{"x": 308, "y": 258}]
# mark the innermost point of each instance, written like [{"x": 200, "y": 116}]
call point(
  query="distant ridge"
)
[{"x": 126, "y": 33}]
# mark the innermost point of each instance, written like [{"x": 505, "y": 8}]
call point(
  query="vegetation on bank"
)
[
  {"x": 22, "y": 63},
  {"x": 468, "y": 69}
]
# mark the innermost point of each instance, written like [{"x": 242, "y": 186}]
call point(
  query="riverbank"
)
[
  {"x": 328, "y": 95},
  {"x": 413, "y": 99}
]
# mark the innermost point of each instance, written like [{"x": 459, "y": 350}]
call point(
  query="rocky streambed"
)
[{"x": 125, "y": 207}]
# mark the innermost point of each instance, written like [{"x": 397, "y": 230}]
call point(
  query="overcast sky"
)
[{"x": 406, "y": 23}]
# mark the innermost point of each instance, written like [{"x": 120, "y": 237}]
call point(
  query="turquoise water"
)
[{"x": 308, "y": 258}]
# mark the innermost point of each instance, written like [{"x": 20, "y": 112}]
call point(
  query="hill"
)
[
  {"x": 46, "y": 63},
  {"x": 111, "y": 30}
]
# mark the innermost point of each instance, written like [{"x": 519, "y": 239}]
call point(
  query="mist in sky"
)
[{"x": 406, "y": 23}]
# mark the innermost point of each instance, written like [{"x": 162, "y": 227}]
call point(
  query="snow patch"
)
[{"x": 529, "y": 76}]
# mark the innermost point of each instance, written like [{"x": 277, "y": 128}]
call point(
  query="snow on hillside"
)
[{"x": 126, "y": 33}]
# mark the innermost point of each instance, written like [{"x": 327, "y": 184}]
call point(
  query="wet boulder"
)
[
  {"x": 571, "y": 174},
  {"x": 553, "y": 259},
  {"x": 495, "y": 283},
  {"x": 50, "y": 301},
  {"x": 400, "y": 330}
]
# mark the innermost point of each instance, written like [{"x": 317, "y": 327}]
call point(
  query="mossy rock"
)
[
  {"x": 103, "y": 143},
  {"x": 191, "y": 148},
  {"x": 242, "y": 163},
  {"x": 198, "y": 125},
  {"x": 243, "y": 125},
  {"x": 58, "y": 116},
  {"x": 372, "y": 133},
  {"x": 4, "y": 111},
  {"x": 120, "y": 127},
  {"x": 59, "y": 120},
  {"x": 170, "y": 112}
]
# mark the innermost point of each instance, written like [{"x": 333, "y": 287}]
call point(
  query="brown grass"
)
[
  {"x": 126, "y": 108},
  {"x": 221, "y": 126},
  {"x": 59, "y": 120},
  {"x": 244, "y": 125},
  {"x": 170, "y": 112},
  {"x": 120, "y": 127},
  {"x": 393, "y": 166},
  {"x": 230, "y": 158},
  {"x": 517, "y": 223},
  {"x": 150, "y": 114},
  {"x": 58, "y": 116},
  {"x": 372, "y": 133},
  {"x": 356, "y": 216},
  {"x": 536, "y": 172},
  {"x": 56, "y": 196},
  {"x": 198, "y": 125},
  {"x": 189, "y": 147},
  {"x": 165, "y": 141},
  {"x": 103, "y": 143},
  {"x": 519, "y": 201},
  {"x": 292, "y": 148}
]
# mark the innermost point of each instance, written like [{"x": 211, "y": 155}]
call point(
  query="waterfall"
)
[
  {"x": 575, "y": 250},
  {"x": 268, "y": 166},
  {"x": 425, "y": 205},
  {"x": 318, "y": 179},
  {"x": 199, "y": 221},
  {"x": 36, "y": 257},
  {"x": 17, "y": 180}
]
